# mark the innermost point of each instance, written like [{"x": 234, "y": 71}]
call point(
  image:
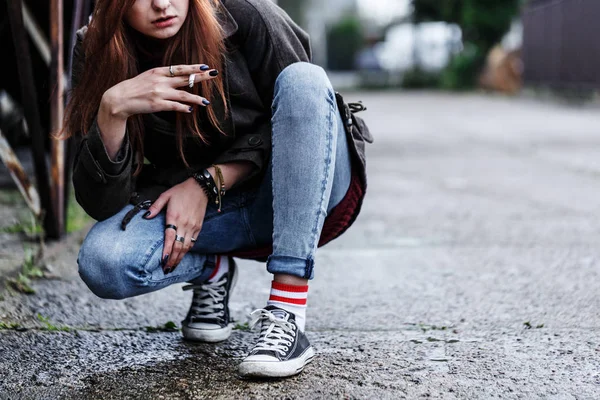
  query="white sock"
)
[
  {"x": 221, "y": 268},
  {"x": 291, "y": 298}
]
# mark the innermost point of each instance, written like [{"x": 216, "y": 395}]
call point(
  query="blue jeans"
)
[{"x": 309, "y": 174}]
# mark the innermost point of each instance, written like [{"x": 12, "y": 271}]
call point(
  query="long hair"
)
[{"x": 110, "y": 58}]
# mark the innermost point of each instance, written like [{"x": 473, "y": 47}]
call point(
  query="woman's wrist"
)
[
  {"x": 112, "y": 127},
  {"x": 232, "y": 172},
  {"x": 111, "y": 104}
]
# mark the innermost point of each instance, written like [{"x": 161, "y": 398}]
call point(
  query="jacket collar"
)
[{"x": 230, "y": 27}]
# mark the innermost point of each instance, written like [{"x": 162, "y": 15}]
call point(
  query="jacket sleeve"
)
[
  {"x": 269, "y": 41},
  {"x": 102, "y": 186}
]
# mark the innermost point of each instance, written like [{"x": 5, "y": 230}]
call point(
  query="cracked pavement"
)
[{"x": 473, "y": 272}]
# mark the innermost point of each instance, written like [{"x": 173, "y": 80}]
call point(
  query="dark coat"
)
[{"x": 262, "y": 41}]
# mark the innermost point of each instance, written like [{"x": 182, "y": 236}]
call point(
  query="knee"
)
[
  {"x": 102, "y": 270},
  {"x": 303, "y": 80}
]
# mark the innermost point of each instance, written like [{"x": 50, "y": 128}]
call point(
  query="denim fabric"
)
[{"x": 309, "y": 174}]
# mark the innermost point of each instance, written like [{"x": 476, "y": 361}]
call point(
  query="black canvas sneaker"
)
[
  {"x": 282, "y": 349},
  {"x": 208, "y": 318}
]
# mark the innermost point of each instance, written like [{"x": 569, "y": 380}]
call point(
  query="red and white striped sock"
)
[
  {"x": 221, "y": 267},
  {"x": 291, "y": 298}
]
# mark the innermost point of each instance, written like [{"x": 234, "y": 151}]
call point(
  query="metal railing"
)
[
  {"x": 48, "y": 199},
  {"x": 561, "y": 48}
]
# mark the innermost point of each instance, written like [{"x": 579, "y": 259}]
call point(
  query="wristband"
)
[{"x": 207, "y": 183}]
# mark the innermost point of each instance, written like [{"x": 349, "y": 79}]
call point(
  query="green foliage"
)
[
  {"x": 436, "y": 10},
  {"x": 9, "y": 326},
  {"x": 168, "y": 327},
  {"x": 50, "y": 327},
  {"x": 29, "y": 226},
  {"x": 344, "y": 41},
  {"x": 419, "y": 79},
  {"x": 77, "y": 218},
  {"x": 463, "y": 69},
  {"x": 483, "y": 24},
  {"x": 242, "y": 327},
  {"x": 29, "y": 271}
]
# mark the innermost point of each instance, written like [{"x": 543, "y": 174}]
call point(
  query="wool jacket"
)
[{"x": 261, "y": 41}]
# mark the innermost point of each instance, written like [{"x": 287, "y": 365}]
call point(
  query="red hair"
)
[{"x": 110, "y": 59}]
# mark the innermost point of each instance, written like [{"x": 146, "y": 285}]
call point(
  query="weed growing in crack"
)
[
  {"x": 48, "y": 326},
  {"x": 5, "y": 326},
  {"x": 168, "y": 327},
  {"x": 29, "y": 271},
  {"x": 528, "y": 325},
  {"x": 242, "y": 327}
]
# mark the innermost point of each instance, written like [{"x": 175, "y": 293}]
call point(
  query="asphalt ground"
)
[{"x": 472, "y": 273}]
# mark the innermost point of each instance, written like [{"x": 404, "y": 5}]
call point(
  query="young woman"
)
[{"x": 208, "y": 116}]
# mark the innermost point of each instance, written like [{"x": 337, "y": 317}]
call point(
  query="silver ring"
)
[
  {"x": 193, "y": 240},
  {"x": 180, "y": 239},
  {"x": 191, "y": 80},
  {"x": 171, "y": 71}
]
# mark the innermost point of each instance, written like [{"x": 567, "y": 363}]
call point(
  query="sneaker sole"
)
[
  {"x": 276, "y": 369},
  {"x": 210, "y": 335},
  {"x": 206, "y": 335}
]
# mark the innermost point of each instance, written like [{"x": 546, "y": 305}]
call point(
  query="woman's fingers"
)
[
  {"x": 195, "y": 235},
  {"x": 184, "y": 97},
  {"x": 168, "y": 249},
  {"x": 177, "y": 254},
  {"x": 167, "y": 105},
  {"x": 180, "y": 249},
  {"x": 178, "y": 70},
  {"x": 182, "y": 81}
]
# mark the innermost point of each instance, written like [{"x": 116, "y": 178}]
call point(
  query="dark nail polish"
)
[
  {"x": 214, "y": 73},
  {"x": 205, "y": 102},
  {"x": 164, "y": 261},
  {"x": 191, "y": 109},
  {"x": 204, "y": 68},
  {"x": 167, "y": 271},
  {"x": 147, "y": 214}
]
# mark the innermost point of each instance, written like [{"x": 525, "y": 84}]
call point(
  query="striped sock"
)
[
  {"x": 291, "y": 298},
  {"x": 221, "y": 267}
]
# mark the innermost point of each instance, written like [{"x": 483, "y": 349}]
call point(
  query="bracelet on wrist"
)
[{"x": 208, "y": 184}]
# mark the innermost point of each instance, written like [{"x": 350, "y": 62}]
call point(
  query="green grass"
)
[
  {"x": 168, "y": 327},
  {"x": 242, "y": 327},
  {"x": 4, "y": 326},
  {"x": 50, "y": 327},
  {"x": 27, "y": 224},
  {"x": 77, "y": 218},
  {"x": 11, "y": 197},
  {"x": 29, "y": 271}
]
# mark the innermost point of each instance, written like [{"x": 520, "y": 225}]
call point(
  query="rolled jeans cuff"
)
[{"x": 300, "y": 267}]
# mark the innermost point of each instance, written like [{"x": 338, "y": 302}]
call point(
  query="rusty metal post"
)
[
  {"x": 32, "y": 115},
  {"x": 80, "y": 13},
  {"x": 56, "y": 113}
]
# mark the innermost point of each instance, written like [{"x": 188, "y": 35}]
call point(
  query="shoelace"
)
[
  {"x": 208, "y": 300},
  {"x": 276, "y": 334}
]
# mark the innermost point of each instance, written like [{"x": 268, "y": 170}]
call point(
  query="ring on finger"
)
[
  {"x": 171, "y": 226},
  {"x": 191, "y": 80},
  {"x": 179, "y": 239},
  {"x": 193, "y": 240},
  {"x": 171, "y": 71}
]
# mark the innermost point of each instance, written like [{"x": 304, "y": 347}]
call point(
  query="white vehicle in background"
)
[{"x": 428, "y": 46}]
